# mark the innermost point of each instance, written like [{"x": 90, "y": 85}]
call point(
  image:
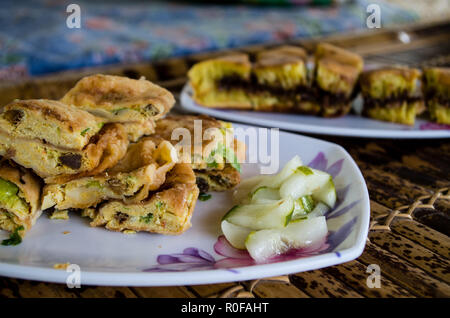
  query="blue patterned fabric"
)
[{"x": 35, "y": 40}]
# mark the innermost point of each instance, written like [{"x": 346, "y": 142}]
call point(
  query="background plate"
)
[
  {"x": 142, "y": 259},
  {"x": 349, "y": 125}
]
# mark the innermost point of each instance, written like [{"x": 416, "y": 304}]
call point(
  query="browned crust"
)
[
  {"x": 284, "y": 50},
  {"x": 237, "y": 58},
  {"x": 72, "y": 117},
  {"x": 280, "y": 56},
  {"x": 407, "y": 73},
  {"x": 340, "y": 55},
  {"x": 109, "y": 92}
]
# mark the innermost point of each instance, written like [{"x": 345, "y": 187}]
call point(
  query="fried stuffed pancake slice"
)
[
  {"x": 217, "y": 180},
  {"x": 202, "y": 141},
  {"x": 120, "y": 99},
  {"x": 167, "y": 211},
  {"x": 130, "y": 185},
  {"x": 50, "y": 121},
  {"x": 104, "y": 151},
  {"x": 19, "y": 198}
]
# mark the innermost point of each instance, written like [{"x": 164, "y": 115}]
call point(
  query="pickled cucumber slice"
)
[
  {"x": 289, "y": 169},
  {"x": 319, "y": 210},
  {"x": 300, "y": 184},
  {"x": 303, "y": 206},
  {"x": 235, "y": 234},
  {"x": 326, "y": 193},
  {"x": 265, "y": 244},
  {"x": 260, "y": 216},
  {"x": 264, "y": 194}
]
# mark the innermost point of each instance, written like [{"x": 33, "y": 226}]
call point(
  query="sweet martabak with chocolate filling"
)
[
  {"x": 272, "y": 83},
  {"x": 222, "y": 82},
  {"x": 336, "y": 76},
  {"x": 19, "y": 199},
  {"x": 280, "y": 81},
  {"x": 392, "y": 94},
  {"x": 436, "y": 88}
]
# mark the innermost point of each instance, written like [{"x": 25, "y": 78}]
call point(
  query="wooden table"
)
[{"x": 408, "y": 181}]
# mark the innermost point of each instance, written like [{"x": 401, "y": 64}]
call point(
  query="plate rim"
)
[
  {"x": 186, "y": 99},
  {"x": 210, "y": 276}
]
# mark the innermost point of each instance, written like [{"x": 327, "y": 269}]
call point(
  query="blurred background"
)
[{"x": 35, "y": 39}]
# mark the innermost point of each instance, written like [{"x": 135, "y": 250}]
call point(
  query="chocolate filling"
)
[
  {"x": 432, "y": 94},
  {"x": 306, "y": 93},
  {"x": 390, "y": 102}
]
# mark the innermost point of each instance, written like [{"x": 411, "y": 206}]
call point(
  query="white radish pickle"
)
[{"x": 265, "y": 244}]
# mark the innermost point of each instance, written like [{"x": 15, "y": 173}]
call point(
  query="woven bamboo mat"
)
[{"x": 408, "y": 183}]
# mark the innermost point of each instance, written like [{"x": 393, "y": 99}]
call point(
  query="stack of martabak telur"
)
[{"x": 97, "y": 151}]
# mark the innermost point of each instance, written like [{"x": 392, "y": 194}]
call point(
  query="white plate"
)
[
  {"x": 200, "y": 255},
  {"x": 349, "y": 125}
]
